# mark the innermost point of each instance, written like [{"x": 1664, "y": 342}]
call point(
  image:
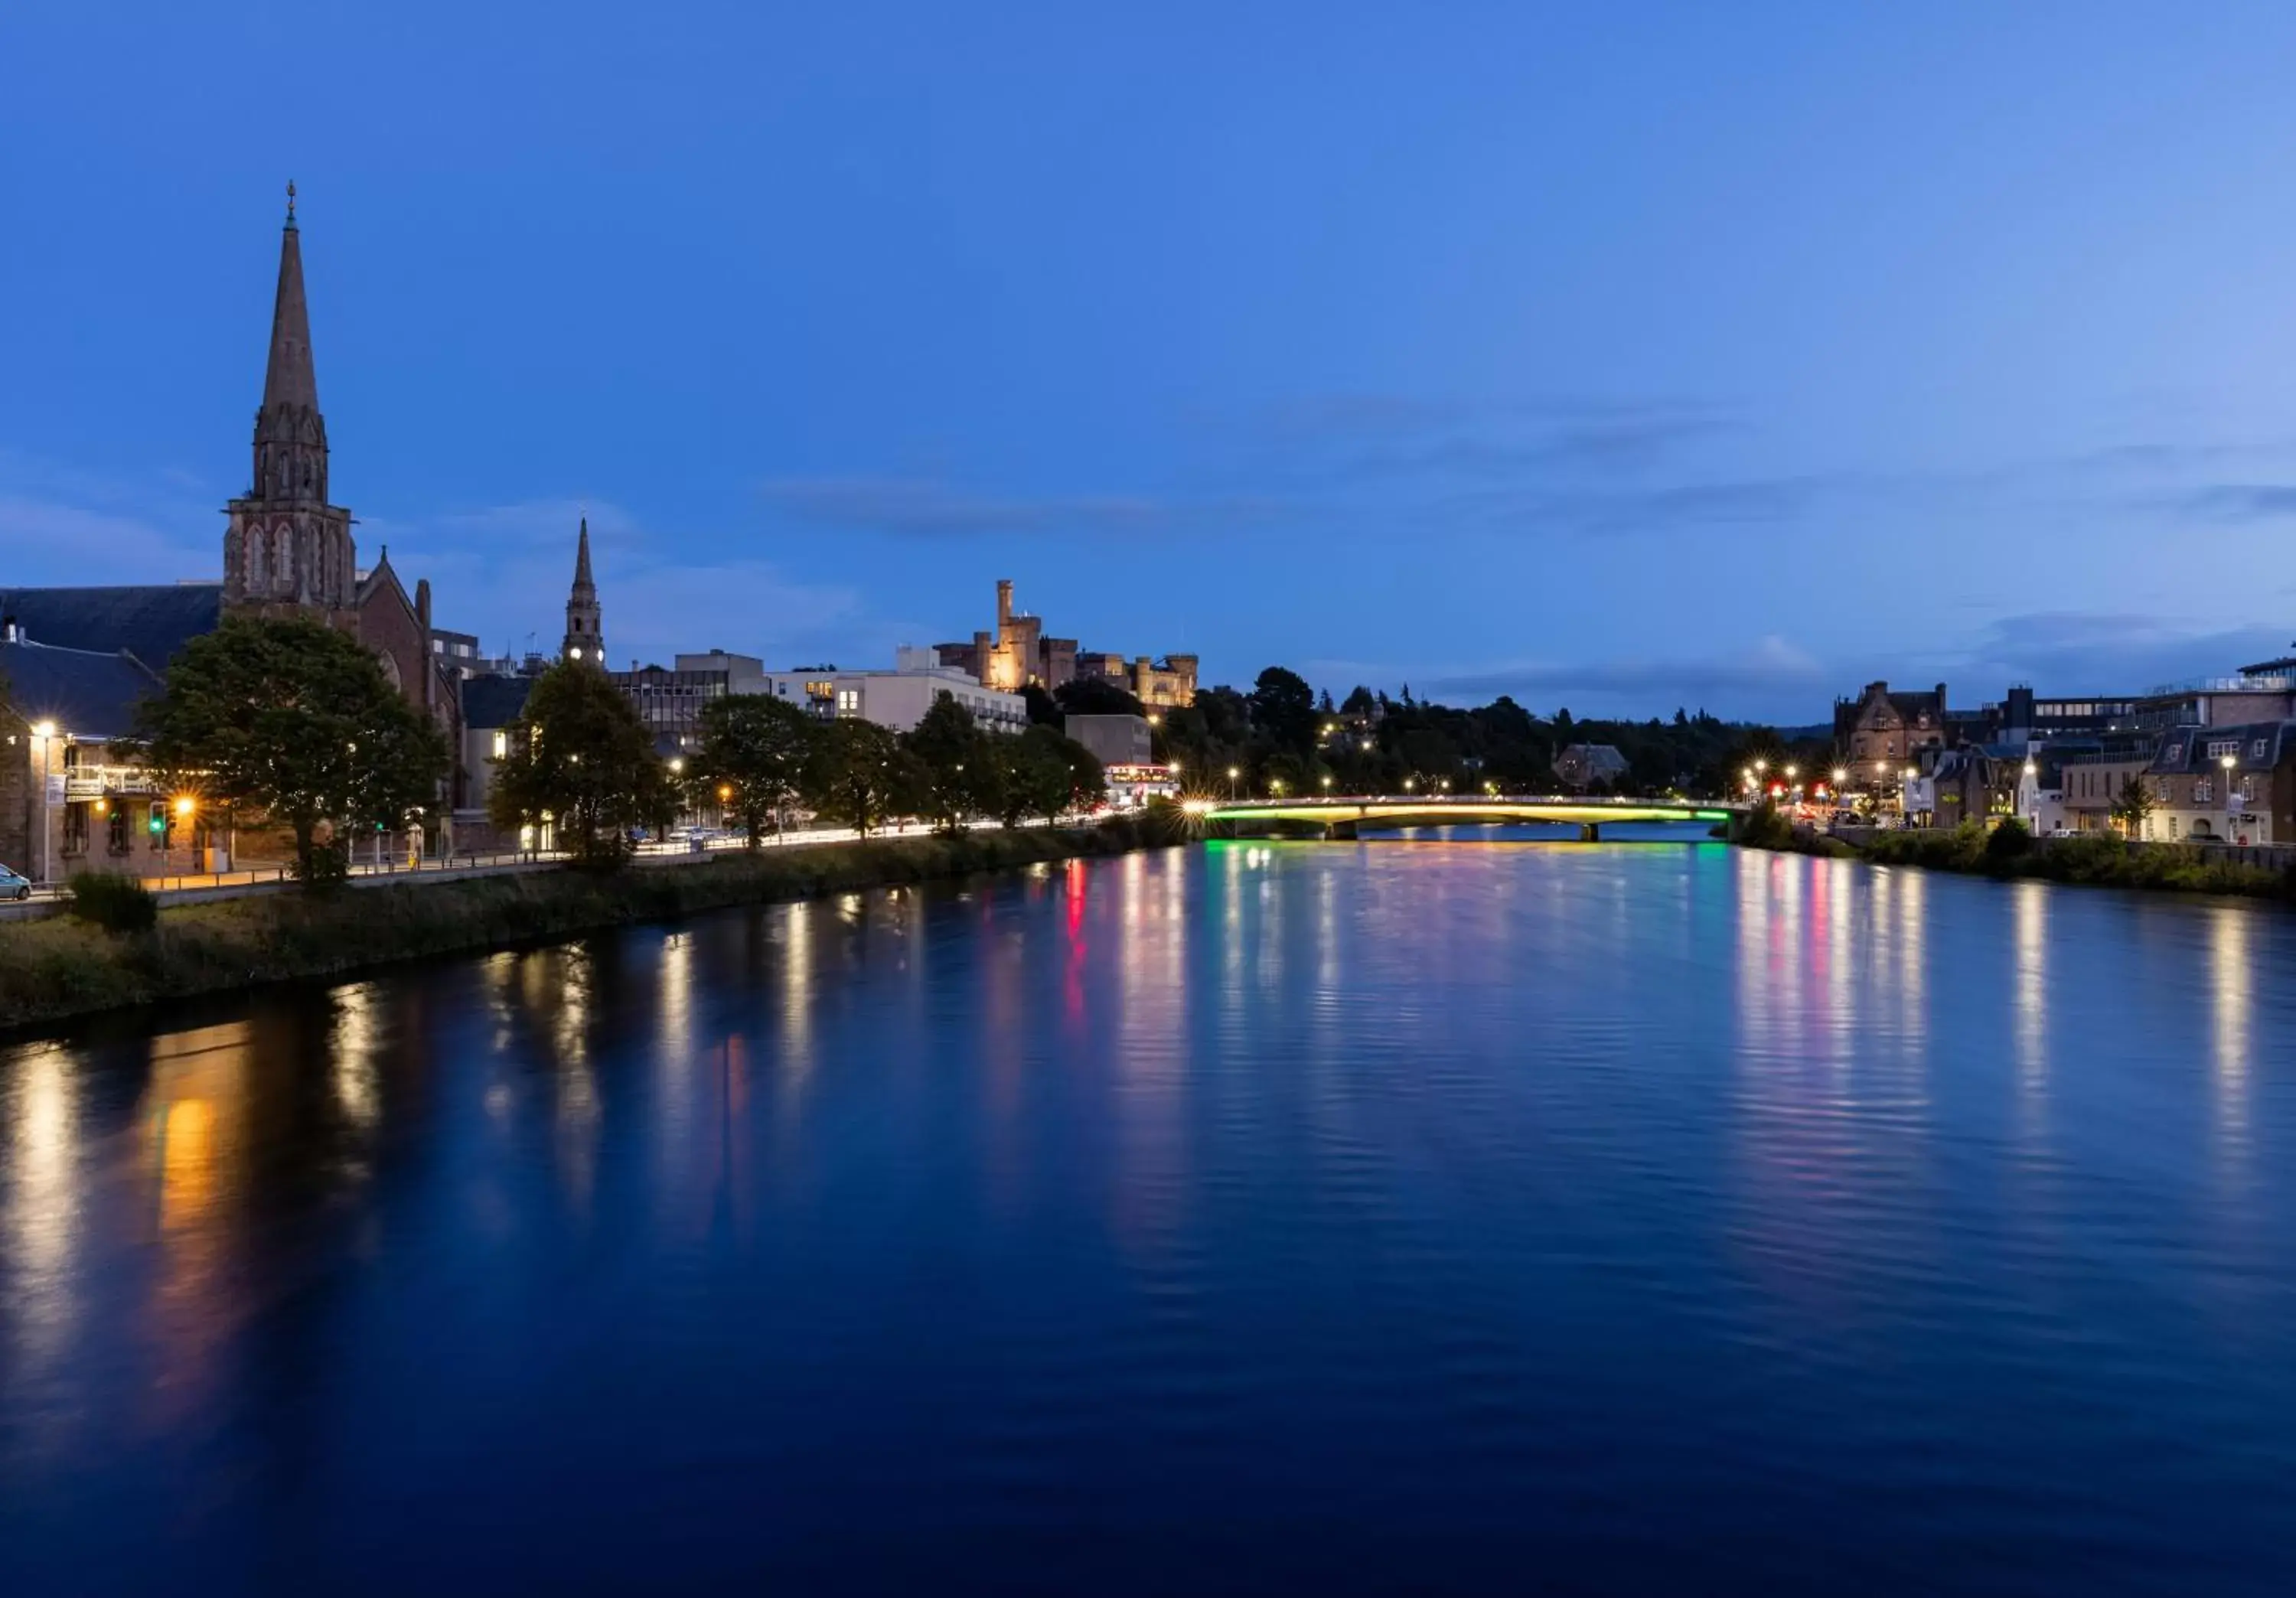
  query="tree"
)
[
  {"x": 1096, "y": 696},
  {"x": 860, "y": 777},
  {"x": 1283, "y": 707},
  {"x": 1055, "y": 774},
  {"x": 2133, "y": 807},
  {"x": 954, "y": 762},
  {"x": 1359, "y": 702},
  {"x": 1043, "y": 711},
  {"x": 295, "y": 719},
  {"x": 753, "y": 759},
  {"x": 581, "y": 759}
]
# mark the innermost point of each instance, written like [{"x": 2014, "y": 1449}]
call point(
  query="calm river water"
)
[{"x": 1411, "y": 1217}]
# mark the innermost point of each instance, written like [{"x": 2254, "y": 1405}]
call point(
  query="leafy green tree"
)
[
  {"x": 860, "y": 777},
  {"x": 1359, "y": 702},
  {"x": 1045, "y": 773},
  {"x": 753, "y": 758},
  {"x": 1096, "y": 696},
  {"x": 2133, "y": 807},
  {"x": 581, "y": 759},
  {"x": 1283, "y": 707},
  {"x": 954, "y": 762},
  {"x": 296, "y": 720}
]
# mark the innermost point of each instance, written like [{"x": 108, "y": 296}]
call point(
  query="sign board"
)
[{"x": 55, "y": 787}]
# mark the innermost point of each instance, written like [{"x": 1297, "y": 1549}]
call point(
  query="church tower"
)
[
  {"x": 286, "y": 548},
  {"x": 584, "y": 639}
]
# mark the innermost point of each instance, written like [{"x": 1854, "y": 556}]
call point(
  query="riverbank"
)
[
  {"x": 2100, "y": 862},
  {"x": 56, "y": 969}
]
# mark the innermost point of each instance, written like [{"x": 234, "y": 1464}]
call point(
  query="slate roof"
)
[
  {"x": 152, "y": 622},
  {"x": 1600, "y": 759},
  {"x": 86, "y": 694},
  {"x": 2186, "y": 749},
  {"x": 494, "y": 701}
]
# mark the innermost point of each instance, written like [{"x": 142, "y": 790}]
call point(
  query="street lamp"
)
[
  {"x": 1408, "y": 783},
  {"x": 46, "y": 731},
  {"x": 1233, "y": 773},
  {"x": 1327, "y": 781}
]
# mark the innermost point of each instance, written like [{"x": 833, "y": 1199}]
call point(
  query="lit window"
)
[{"x": 502, "y": 746}]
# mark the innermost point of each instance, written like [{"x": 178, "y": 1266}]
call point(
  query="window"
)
[
  {"x": 502, "y": 746},
  {"x": 2203, "y": 791},
  {"x": 2218, "y": 748},
  {"x": 2256, "y": 750}
]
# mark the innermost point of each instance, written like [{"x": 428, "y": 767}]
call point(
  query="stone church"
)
[{"x": 287, "y": 550}]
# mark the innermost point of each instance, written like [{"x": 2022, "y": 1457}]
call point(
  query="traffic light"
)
[{"x": 159, "y": 822}]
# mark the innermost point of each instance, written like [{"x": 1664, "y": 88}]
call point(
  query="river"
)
[{"x": 1416, "y": 1215}]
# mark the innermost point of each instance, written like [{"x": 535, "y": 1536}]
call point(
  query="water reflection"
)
[{"x": 1423, "y": 1184}]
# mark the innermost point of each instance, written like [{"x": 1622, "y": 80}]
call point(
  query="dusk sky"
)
[{"x": 1618, "y": 357}]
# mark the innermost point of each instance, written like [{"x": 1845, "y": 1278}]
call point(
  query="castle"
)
[{"x": 1018, "y": 654}]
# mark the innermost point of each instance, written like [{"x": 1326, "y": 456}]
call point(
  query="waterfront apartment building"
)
[
  {"x": 898, "y": 699},
  {"x": 2235, "y": 782}
]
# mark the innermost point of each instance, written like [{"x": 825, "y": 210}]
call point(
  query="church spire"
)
[
  {"x": 290, "y": 438},
  {"x": 584, "y": 638},
  {"x": 287, "y": 546}
]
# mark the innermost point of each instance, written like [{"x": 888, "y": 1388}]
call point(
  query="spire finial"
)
[{"x": 291, "y": 202}]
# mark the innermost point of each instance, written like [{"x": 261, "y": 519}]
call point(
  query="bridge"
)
[{"x": 1340, "y": 818}]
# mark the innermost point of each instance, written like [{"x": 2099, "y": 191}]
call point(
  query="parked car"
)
[{"x": 14, "y": 887}]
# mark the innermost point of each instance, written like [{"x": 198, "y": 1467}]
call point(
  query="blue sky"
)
[{"x": 1615, "y": 357}]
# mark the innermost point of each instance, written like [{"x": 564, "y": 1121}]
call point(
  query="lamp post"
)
[
  {"x": 1233, "y": 773},
  {"x": 46, "y": 731},
  {"x": 2229, "y": 762}
]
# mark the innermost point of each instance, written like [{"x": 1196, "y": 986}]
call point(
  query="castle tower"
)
[
  {"x": 585, "y": 639},
  {"x": 285, "y": 546}
]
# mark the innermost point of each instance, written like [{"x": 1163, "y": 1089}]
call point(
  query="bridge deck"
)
[{"x": 1407, "y": 811}]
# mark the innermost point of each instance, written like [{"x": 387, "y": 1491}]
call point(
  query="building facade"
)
[
  {"x": 899, "y": 699},
  {"x": 2233, "y": 782},
  {"x": 287, "y": 551},
  {"x": 1879, "y": 734},
  {"x": 1120, "y": 741},
  {"x": 1018, "y": 654}
]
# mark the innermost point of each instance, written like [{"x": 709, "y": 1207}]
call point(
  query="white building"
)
[{"x": 898, "y": 699}]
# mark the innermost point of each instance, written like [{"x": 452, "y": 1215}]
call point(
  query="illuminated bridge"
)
[{"x": 1346, "y": 818}]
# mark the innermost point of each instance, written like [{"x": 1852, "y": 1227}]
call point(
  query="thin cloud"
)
[{"x": 1773, "y": 670}]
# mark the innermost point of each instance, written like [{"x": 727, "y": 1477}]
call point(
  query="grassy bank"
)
[
  {"x": 57, "y": 968},
  {"x": 2101, "y": 862}
]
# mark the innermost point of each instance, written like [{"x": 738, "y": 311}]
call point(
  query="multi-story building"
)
[
  {"x": 1879, "y": 734},
  {"x": 2225, "y": 781},
  {"x": 67, "y": 802},
  {"x": 1113, "y": 739},
  {"x": 899, "y": 699}
]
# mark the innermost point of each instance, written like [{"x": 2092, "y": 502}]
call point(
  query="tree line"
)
[
  {"x": 581, "y": 760},
  {"x": 290, "y": 724}
]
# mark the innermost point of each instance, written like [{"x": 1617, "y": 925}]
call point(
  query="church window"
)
[{"x": 255, "y": 542}]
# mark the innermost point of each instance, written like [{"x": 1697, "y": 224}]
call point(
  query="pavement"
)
[{"x": 205, "y": 887}]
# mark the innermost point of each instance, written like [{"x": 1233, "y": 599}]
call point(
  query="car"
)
[{"x": 14, "y": 887}]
